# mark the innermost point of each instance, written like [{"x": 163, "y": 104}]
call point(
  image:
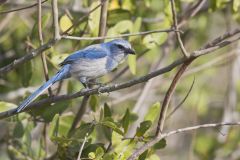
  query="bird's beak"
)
[{"x": 131, "y": 51}]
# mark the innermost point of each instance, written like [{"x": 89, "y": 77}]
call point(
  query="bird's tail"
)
[{"x": 62, "y": 74}]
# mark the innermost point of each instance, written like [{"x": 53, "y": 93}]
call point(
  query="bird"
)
[{"x": 86, "y": 65}]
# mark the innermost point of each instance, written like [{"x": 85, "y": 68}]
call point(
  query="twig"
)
[
  {"x": 23, "y": 8},
  {"x": 149, "y": 144},
  {"x": 175, "y": 25},
  {"x": 192, "y": 11},
  {"x": 119, "y": 36},
  {"x": 103, "y": 19},
  {"x": 43, "y": 56},
  {"x": 169, "y": 94},
  {"x": 184, "y": 99},
  {"x": 55, "y": 20},
  {"x": 114, "y": 87},
  {"x": 82, "y": 146}
]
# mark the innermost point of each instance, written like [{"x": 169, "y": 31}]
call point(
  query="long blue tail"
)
[{"x": 62, "y": 74}]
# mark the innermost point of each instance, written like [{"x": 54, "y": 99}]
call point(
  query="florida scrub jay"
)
[{"x": 87, "y": 64}]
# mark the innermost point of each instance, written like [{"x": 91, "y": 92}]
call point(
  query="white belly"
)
[{"x": 89, "y": 68}]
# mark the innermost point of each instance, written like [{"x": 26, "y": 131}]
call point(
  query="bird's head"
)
[{"x": 120, "y": 46}]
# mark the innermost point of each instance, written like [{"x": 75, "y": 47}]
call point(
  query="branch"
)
[
  {"x": 149, "y": 144},
  {"x": 43, "y": 56},
  {"x": 26, "y": 58},
  {"x": 23, "y": 8},
  {"x": 119, "y": 36},
  {"x": 169, "y": 94},
  {"x": 55, "y": 20},
  {"x": 114, "y": 87},
  {"x": 175, "y": 25}
]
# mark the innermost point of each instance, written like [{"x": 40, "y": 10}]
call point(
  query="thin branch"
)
[
  {"x": 82, "y": 146},
  {"x": 149, "y": 144},
  {"x": 55, "y": 20},
  {"x": 169, "y": 94},
  {"x": 103, "y": 19},
  {"x": 184, "y": 99},
  {"x": 119, "y": 36},
  {"x": 23, "y": 8},
  {"x": 175, "y": 25},
  {"x": 43, "y": 56},
  {"x": 26, "y": 58}
]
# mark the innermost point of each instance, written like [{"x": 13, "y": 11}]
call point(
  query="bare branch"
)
[
  {"x": 175, "y": 25},
  {"x": 149, "y": 144},
  {"x": 119, "y": 36},
  {"x": 55, "y": 20},
  {"x": 23, "y": 8},
  {"x": 169, "y": 94},
  {"x": 43, "y": 56}
]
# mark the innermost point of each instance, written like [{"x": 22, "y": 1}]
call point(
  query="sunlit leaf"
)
[
  {"x": 153, "y": 112},
  {"x": 132, "y": 64},
  {"x": 65, "y": 23},
  {"x": 4, "y": 106},
  {"x": 93, "y": 102}
]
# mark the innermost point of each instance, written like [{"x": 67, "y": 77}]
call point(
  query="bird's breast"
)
[{"x": 92, "y": 68}]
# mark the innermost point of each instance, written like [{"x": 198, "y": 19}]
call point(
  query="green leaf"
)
[
  {"x": 65, "y": 124},
  {"x": 132, "y": 63},
  {"x": 126, "y": 121},
  {"x": 26, "y": 73},
  {"x": 93, "y": 102},
  {"x": 82, "y": 131},
  {"x": 4, "y": 106},
  {"x": 161, "y": 144},
  {"x": 136, "y": 28},
  {"x": 144, "y": 126},
  {"x": 153, "y": 40},
  {"x": 108, "y": 122},
  {"x": 143, "y": 156},
  {"x": 99, "y": 153},
  {"x": 65, "y": 23},
  {"x": 117, "y": 15},
  {"x": 91, "y": 155},
  {"x": 53, "y": 128},
  {"x": 107, "y": 110},
  {"x": 153, "y": 112},
  {"x": 18, "y": 130}
]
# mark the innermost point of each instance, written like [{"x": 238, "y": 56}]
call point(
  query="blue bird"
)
[{"x": 87, "y": 65}]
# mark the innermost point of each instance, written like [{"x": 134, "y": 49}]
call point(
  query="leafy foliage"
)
[{"x": 106, "y": 130}]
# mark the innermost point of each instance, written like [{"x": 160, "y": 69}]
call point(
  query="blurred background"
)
[{"x": 42, "y": 133}]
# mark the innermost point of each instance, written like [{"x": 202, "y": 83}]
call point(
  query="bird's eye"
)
[{"x": 120, "y": 46}]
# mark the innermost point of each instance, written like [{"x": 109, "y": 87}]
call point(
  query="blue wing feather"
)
[{"x": 91, "y": 52}]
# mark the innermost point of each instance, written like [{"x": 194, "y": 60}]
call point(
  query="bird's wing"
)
[{"x": 91, "y": 52}]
